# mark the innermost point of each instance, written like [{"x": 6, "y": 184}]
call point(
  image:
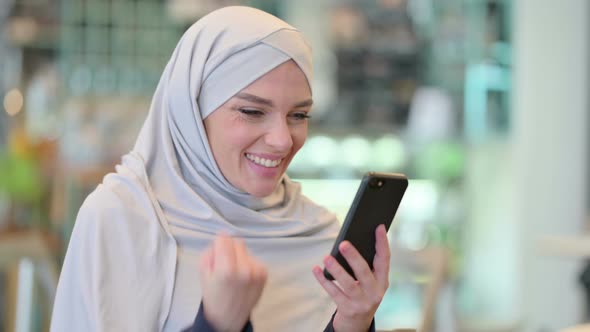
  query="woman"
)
[{"x": 200, "y": 218}]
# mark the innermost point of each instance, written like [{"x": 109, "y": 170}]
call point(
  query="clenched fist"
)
[{"x": 231, "y": 281}]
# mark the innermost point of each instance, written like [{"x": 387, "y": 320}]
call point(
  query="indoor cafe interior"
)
[{"x": 483, "y": 104}]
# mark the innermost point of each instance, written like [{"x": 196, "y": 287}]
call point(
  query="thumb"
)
[{"x": 206, "y": 262}]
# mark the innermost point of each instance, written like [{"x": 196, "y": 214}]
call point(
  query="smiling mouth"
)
[{"x": 264, "y": 162}]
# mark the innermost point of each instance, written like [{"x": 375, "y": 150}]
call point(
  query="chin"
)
[{"x": 261, "y": 191}]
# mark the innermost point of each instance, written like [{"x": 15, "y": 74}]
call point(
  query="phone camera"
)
[{"x": 376, "y": 183}]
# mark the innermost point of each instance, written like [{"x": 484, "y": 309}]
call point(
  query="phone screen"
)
[{"x": 376, "y": 202}]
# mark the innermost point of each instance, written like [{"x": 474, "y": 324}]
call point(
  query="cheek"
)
[
  {"x": 299, "y": 137},
  {"x": 238, "y": 139},
  {"x": 226, "y": 143}
]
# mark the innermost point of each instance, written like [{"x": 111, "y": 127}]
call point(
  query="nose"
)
[{"x": 279, "y": 136}]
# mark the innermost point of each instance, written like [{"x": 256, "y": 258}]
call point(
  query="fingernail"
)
[
  {"x": 344, "y": 247},
  {"x": 328, "y": 261}
]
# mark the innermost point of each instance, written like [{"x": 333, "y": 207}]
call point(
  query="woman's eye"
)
[
  {"x": 251, "y": 112},
  {"x": 301, "y": 116}
]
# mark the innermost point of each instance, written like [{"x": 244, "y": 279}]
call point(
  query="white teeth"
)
[{"x": 263, "y": 162}]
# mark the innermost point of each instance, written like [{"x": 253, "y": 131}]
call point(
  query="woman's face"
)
[{"x": 256, "y": 133}]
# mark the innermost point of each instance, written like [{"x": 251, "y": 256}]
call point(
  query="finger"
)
[
  {"x": 224, "y": 255},
  {"x": 330, "y": 287},
  {"x": 206, "y": 261},
  {"x": 206, "y": 266},
  {"x": 245, "y": 265},
  {"x": 382, "y": 259},
  {"x": 240, "y": 250},
  {"x": 262, "y": 272},
  {"x": 348, "y": 284},
  {"x": 358, "y": 264},
  {"x": 258, "y": 268}
]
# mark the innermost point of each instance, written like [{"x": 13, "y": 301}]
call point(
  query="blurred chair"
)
[
  {"x": 432, "y": 263},
  {"x": 29, "y": 257},
  {"x": 578, "y": 328}
]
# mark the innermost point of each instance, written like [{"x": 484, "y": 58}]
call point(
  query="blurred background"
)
[{"x": 482, "y": 103}]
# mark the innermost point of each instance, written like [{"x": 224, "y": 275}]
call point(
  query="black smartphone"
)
[{"x": 376, "y": 202}]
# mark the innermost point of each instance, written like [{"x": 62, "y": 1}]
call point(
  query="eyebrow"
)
[{"x": 268, "y": 102}]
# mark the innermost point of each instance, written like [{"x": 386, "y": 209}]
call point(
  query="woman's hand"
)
[
  {"x": 357, "y": 300},
  {"x": 231, "y": 281}
]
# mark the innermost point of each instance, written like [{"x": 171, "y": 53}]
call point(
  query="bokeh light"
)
[{"x": 13, "y": 102}]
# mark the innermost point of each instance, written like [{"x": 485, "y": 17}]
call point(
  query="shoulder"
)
[
  {"x": 306, "y": 204},
  {"x": 119, "y": 217},
  {"x": 118, "y": 200},
  {"x": 317, "y": 208},
  {"x": 323, "y": 220},
  {"x": 119, "y": 236},
  {"x": 116, "y": 252}
]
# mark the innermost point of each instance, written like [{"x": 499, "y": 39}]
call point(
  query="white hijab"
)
[{"x": 168, "y": 196}]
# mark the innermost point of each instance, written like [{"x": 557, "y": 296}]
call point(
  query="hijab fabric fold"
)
[{"x": 137, "y": 234}]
